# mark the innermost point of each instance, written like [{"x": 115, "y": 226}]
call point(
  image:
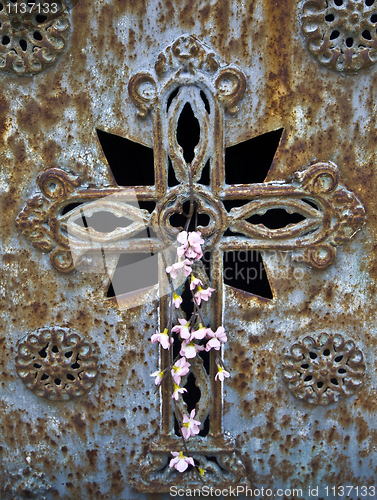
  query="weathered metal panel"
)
[{"x": 281, "y": 65}]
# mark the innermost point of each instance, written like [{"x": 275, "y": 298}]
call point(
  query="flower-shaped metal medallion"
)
[
  {"x": 57, "y": 363},
  {"x": 323, "y": 370},
  {"x": 32, "y": 34},
  {"x": 341, "y": 33}
]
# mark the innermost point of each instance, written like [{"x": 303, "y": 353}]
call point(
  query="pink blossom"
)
[
  {"x": 177, "y": 300},
  {"x": 195, "y": 282},
  {"x": 189, "y": 349},
  {"x": 195, "y": 241},
  {"x": 182, "y": 239},
  {"x": 202, "y": 294},
  {"x": 221, "y": 374},
  {"x": 190, "y": 426},
  {"x": 180, "y": 462},
  {"x": 180, "y": 368},
  {"x": 200, "y": 333},
  {"x": 182, "y": 328},
  {"x": 190, "y": 245},
  {"x": 163, "y": 338},
  {"x": 181, "y": 267},
  {"x": 158, "y": 376},
  {"x": 217, "y": 338},
  {"x": 177, "y": 391}
]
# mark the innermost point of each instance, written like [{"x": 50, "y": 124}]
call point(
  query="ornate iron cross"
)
[{"x": 189, "y": 73}]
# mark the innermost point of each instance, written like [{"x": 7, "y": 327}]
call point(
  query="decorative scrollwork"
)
[
  {"x": 32, "y": 35},
  {"x": 187, "y": 56},
  {"x": 31, "y": 223},
  {"x": 57, "y": 184},
  {"x": 231, "y": 86},
  {"x": 50, "y": 229},
  {"x": 350, "y": 214},
  {"x": 38, "y": 220},
  {"x": 142, "y": 90},
  {"x": 341, "y": 33},
  {"x": 320, "y": 178},
  {"x": 319, "y": 257},
  {"x": 345, "y": 218},
  {"x": 332, "y": 214},
  {"x": 219, "y": 461},
  {"x": 188, "y": 53},
  {"x": 173, "y": 204},
  {"x": 56, "y": 363},
  {"x": 62, "y": 260},
  {"x": 322, "y": 370}
]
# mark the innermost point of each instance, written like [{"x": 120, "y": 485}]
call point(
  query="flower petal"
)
[{"x": 182, "y": 465}]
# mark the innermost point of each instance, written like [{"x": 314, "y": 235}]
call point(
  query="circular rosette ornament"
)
[
  {"x": 341, "y": 33},
  {"x": 56, "y": 363},
  {"x": 324, "y": 370},
  {"x": 32, "y": 34}
]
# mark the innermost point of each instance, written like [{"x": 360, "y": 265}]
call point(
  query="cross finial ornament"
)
[{"x": 187, "y": 73}]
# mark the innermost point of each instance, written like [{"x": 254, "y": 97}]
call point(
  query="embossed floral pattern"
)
[
  {"x": 342, "y": 33},
  {"x": 32, "y": 34},
  {"x": 57, "y": 363},
  {"x": 322, "y": 371}
]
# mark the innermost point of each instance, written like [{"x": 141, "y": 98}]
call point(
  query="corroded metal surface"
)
[
  {"x": 26, "y": 484},
  {"x": 331, "y": 217},
  {"x": 93, "y": 446}
]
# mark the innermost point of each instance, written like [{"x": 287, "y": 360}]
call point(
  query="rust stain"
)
[
  {"x": 364, "y": 431},
  {"x": 186, "y": 14},
  {"x": 79, "y": 424},
  {"x": 117, "y": 482},
  {"x": 92, "y": 456},
  {"x": 136, "y": 7},
  {"x": 222, "y": 15},
  {"x": 4, "y": 110},
  {"x": 38, "y": 115},
  {"x": 51, "y": 151}
]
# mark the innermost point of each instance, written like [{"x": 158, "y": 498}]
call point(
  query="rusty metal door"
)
[{"x": 114, "y": 115}]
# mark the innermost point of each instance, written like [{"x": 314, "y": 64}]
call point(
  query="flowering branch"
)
[
  {"x": 177, "y": 370},
  {"x": 189, "y": 331}
]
